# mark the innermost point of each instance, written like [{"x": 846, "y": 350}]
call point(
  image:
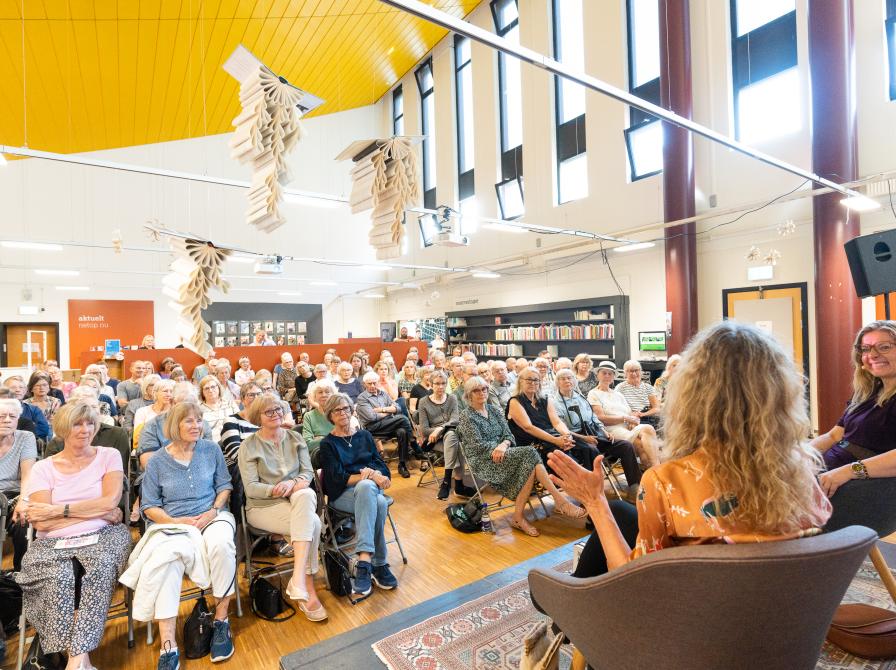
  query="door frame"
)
[
  {"x": 45, "y": 325},
  {"x": 804, "y": 311}
]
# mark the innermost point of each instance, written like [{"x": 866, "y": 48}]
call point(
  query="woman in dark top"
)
[
  {"x": 863, "y": 443},
  {"x": 355, "y": 478},
  {"x": 422, "y": 389},
  {"x": 304, "y": 377}
]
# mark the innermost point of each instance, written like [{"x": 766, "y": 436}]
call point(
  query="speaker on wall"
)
[{"x": 872, "y": 262}]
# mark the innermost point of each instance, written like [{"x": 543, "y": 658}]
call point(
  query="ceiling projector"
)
[
  {"x": 447, "y": 237},
  {"x": 269, "y": 265}
]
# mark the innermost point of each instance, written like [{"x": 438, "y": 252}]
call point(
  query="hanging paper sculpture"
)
[
  {"x": 267, "y": 129},
  {"x": 197, "y": 269},
  {"x": 385, "y": 180}
]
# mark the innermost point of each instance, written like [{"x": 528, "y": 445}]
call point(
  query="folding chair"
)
[
  {"x": 432, "y": 456},
  {"x": 252, "y": 537}
]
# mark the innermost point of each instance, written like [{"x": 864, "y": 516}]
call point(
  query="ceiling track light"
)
[{"x": 31, "y": 246}]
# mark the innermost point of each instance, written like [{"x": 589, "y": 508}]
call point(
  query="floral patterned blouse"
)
[{"x": 677, "y": 506}]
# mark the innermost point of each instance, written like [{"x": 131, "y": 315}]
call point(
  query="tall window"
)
[
  {"x": 764, "y": 69},
  {"x": 569, "y": 49},
  {"x": 510, "y": 106},
  {"x": 644, "y": 136},
  {"x": 890, "y": 26},
  {"x": 397, "y": 111},
  {"x": 463, "y": 88},
  {"x": 423, "y": 74}
]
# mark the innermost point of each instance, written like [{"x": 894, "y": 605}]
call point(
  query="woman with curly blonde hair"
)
[
  {"x": 863, "y": 443},
  {"x": 737, "y": 469}
]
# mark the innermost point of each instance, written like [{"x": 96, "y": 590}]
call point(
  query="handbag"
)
[
  {"x": 198, "y": 628},
  {"x": 37, "y": 659},
  {"x": 339, "y": 575},
  {"x": 864, "y": 630},
  {"x": 541, "y": 649},
  {"x": 10, "y": 603},
  {"x": 267, "y": 599},
  {"x": 465, "y": 517}
]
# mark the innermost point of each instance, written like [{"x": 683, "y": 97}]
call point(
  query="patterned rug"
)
[{"x": 488, "y": 633}]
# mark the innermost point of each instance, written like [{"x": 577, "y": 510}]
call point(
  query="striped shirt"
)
[
  {"x": 637, "y": 397},
  {"x": 235, "y": 430}
]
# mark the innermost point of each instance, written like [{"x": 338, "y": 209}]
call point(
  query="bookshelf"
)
[{"x": 597, "y": 326}]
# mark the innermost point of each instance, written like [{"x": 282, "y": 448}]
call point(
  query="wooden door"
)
[{"x": 42, "y": 339}]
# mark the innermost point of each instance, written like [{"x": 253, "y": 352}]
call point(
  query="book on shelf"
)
[
  {"x": 490, "y": 349},
  {"x": 590, "y": 315},
  {"x": 597, "y": 331},
  {"x": 455, "y": 322}
]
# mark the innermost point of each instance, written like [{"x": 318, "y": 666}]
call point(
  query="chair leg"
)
[
  {"x": 578, "y": 661},
  {"x": 129, "y": 603},
  {"x": 21, "y": 656},
  {"x": 239, "y": 604},
  {"x": 149, "y": 633},
  {"x": 884, "y": 571},
  {"x": 397, "y": 539},
  {"x": 611, "y": 477}
]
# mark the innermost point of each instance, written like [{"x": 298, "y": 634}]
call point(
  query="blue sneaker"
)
[
  {"x": 222, "y": 641},
  {"x": 361, "y": 584},
  {"x": 169, "y": 661},
  {"x": 383, "y": 577}
]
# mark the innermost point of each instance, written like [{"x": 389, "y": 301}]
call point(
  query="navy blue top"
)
[
  {"x": 870, "y": 426},
  {"x": 353, "y": 389},
  {"x": 185, "y": 490},
  {"x": 342, "y": 457}
]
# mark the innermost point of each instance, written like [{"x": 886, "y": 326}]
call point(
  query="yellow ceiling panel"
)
[{"x": 99, "y": 74}]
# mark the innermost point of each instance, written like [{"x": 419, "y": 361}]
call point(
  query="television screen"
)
[{"x": 652, "y": 341}]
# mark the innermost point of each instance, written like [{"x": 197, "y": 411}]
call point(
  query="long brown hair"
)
[{"x": 864, "y": 384}]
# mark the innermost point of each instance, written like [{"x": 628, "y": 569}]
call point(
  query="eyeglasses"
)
[
  {"x": 267, "y": 389},
  {"x": 274, "y": 412},
  {"x": 253, "y": 395},
  {"x": 881, "y": 348},
  {"x": 479, "y": 389},
  {"x": 340, "y": 410},
  {"x": 534, "y": 380}
]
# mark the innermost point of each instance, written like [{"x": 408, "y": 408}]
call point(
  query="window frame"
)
[
  {"x": 649, "y": 90},
  {"x": 890, "y": 31},
  {"x": 499, "y": 196},
  {"x": 429, "y": 194},
  {"x": 397, "y": 114},
  {"x": 466, "y": 182},
  {"x": 570, "y": 136}
]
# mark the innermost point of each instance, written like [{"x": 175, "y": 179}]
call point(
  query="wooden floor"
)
[{"x": 440, "y": 559}]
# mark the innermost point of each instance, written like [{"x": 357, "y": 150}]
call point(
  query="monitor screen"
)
[{"x": 654, "y": 340}]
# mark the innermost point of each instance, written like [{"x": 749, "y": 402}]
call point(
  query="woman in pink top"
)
[
  {"x": 72, "y": 502},
  {"x": 386, "y": 381}
]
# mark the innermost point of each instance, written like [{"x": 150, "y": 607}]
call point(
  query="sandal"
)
[
  {"x": 525, "y": 527},
  {"x": 566, "y": 508}
]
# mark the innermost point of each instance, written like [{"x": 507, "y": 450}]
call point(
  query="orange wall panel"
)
[{"x": 92, "y": 322}]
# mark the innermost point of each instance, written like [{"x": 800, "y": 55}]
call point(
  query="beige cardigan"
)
[{"x": 263, "y": 464}]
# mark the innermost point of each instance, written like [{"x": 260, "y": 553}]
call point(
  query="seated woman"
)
[
  {"x": 660, "y": 384},
  {"x": 354, "y": 479},
  {"x": 74, "y": 494},
  {"x": 108, "y": 407},
  {"x": 438, "y": 416},
  {"x": 575, "y": 412},
  {"x": 244, "y": 373},
  {"x": 18, "y": 452},
  {"x": 237, "y": 427},
  {"x": 216, "y": 405},
  {"x": 612, "y": 409},
  {"x": 166, "y": 366},
  {"x": 533, "y": 419},
  {"x": 407, "y": 379},
  {"x": 422, "y": 389},
  {"x": 641, "y": 397},
  {"x": 346, "y": 383},
  {"x": 147, "y": 397},
  {"x": 304, "y": 377},
  {"x": 39, "y": 395},
  {"x": 739, "y": 469},
  {"x": 285, "y": 379},
  {"x": 385, "y": 380},
  {"x": 178, "y": 375},
  {"x": 276, "y": 473},
  {"x": 495, "y": 457},
  {"x": 379, "y": 414},
  {"x": 315, "y": 425},
  {"x": 59, "y": 387},
  {"x": 161, "y": 393},
  {"x": 584, "y": 371},
  {"x": 863, "y": 443},
  {"x": 359, "y": 366},
  {"x": 186, "y": 486}
]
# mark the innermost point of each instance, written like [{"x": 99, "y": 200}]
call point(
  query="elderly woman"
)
[
  {"x": 39, "y": 395},
  {"x": 641, "y": 397},
  {"x": 71, "y": 500},
  {"x": 304, "y": 377},
  {"x": 108, "y": 407},
  {"x": 590, "y": 434},
  {"x": 346, "y": 383},
  {"x": 237, "y": 427},
  {"x": 739, "y": 469},
  {"x": 18, "y": 452},
  {"x": 385, "y": 379},
  {"x": 378, "y": 413},
  {"x": 422, "y": 389},
  {"x": 583, "y": 368},
  {"x": 354, "y": 480},
  {"x": 495, "y": 457},
  {"x": 149, "y": 342},
  {"x": 614, "y": 412},
  {"x": 276, "y": 471},
  {"x": 407, "y": 378},
  {"x": 58, "y": 383},
  {"x": 285, "y": 381},
  {"x": 244, "y": 373},
  {"x": 166, "y": 366},
  {"x": 315, "y": 425},
  {"x": 178, "y": 375},
  {"x": 161, "y": 393},
  {"x": 216, "y": 405},
  {"x": 546, "y": 375},
  {"x": 863, "y": 443},
  {"x": 438, "y": 416},
  {"x": 660, "y": 384},
  {"x": 185, "y": 490},
  {"x": 147, "y": 397},
  {"x": 222, "y": 374}
]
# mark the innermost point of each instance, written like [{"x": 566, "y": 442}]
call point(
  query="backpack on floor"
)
[{"x": 465, "y": 517}]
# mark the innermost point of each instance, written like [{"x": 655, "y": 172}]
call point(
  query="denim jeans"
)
[{"x": 369, "y": 505}]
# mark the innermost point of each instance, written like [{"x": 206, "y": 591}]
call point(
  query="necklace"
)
[{"x": 347, "y": 440}]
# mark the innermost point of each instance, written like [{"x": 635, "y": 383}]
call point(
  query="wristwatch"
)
[
  {"x": 859, "y": 470},
  {"x": 65, "y": 511}
]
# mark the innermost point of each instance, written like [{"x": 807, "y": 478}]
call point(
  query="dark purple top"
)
[{"x": 871, "y": 426}]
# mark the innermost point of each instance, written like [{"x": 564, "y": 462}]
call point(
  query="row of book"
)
[
  {"x": 599, "y": 331},
  {"x": 588, "y": 315},
  {"x": 494, "y": 349}
]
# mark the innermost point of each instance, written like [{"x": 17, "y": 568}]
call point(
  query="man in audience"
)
[
  {"x": 469, "y": 357},
  {"x": 130, "y": 388},
  {"x": 403, "y": 334},
  {"x": 521, "y": 364},
  {"x": 510, "y": 364},
  {"x": 380, "y": 415},
  {"x": 304, "y": 358},
  {"x": 468, "y": 371},
  {"x": 16, "y": 385},
  {"x": 206, "y": 368},
  {"x": 102, "y": 373},
  {"x": 500, "y": 389}
]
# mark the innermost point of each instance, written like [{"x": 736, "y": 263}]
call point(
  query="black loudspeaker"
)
[{"x": 872, "y": 262}]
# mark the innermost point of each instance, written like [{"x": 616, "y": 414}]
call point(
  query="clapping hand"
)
[{"x": 587, "y": 487}]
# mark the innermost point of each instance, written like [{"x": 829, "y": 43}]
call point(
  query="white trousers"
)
[
  {"x": 295, "y": 518},
  {"x": 221, "y": 552}
]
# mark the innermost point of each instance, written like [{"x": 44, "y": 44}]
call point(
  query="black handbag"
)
[
  {"x": 267, "y": 599},
  {"x": 10, "y": 603},
  {"x": 37, "y": 659},
  {"x": 198, "y": 628},
  {"x": 465, "y": 517},
  {"x": 339, "y": 575}
]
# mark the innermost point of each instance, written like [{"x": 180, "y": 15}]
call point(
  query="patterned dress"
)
[
  {"x": 678, "y": 505},
  {"x": 479, "y": 437}
]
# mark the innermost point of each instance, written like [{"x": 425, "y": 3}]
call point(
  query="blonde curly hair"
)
[{"x": 738, "y": 396}]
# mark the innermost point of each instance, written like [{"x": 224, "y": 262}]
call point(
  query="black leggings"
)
[
  {"x": 625, "y": 452},
  {"x": 593, "y": 561}
]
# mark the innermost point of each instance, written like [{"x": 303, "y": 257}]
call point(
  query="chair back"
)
[
  {"x": 865, "y": 502},
  {"x": 765, "y": 605}
]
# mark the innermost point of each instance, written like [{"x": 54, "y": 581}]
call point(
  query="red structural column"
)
[
  {"x": 678, "y": 172},
  {"x": 838, "y": 312}
]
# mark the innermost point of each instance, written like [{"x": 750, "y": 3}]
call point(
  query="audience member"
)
[
  {"x": 61, "y": 388},
  {"x": 422, "y": 389},
  {"x": 439, "y": 361},
  {"x": 108, "y": 436},
  {"x": 108, "y": 407},
  {"x": 74, "y": 493},
  {"x": 583, "y": 367},
  {"x": 660, "y": 384},
  {"x": 546, "y": 376},
  {"x": 641, "y": 397},
  {"x": 130, "y": 389},
  {"x": 16, "y": 385},
  {"x": 500, "y": 389},
  {"x": 238, "y": 426},
  {"x": 359, "y": 367},
  {"x": 355, "y": 479},
  {"x": 147, "y": 390},
  {"x": 385, "y": 380},
  {"x": 216, "y": 405},
  {"x": 510, "y": 362},
  {"x": 166, "y": 366},
  {"x": 101, "y": 372},
  {"x": 304, "y": 377},
  {"x": 456, "y": 374},
  {"x": 39, "y": 396},
  {"x": 261, "y": 339},
  {"x": 407, "y": 379},
  {"x": 18, "y": 452},
  {"x": 345, "y": 383},
  {"x": 205, "y": 368},
  {"x": 222, "y": 373},
  {"x": 380, "y": 415},
  {"x": 285, "y": 380},
  {"x": 244, "y": 373},
  {"x": 276, "y": 471},
  {"x": 152, "y": 436},
  {"x": 315, "y": 425},
  {"x": 738, "y": 468},
  {"x": 161, "y": 395},
  {"x": 321, "y": 371},
  {"x": 149, "y": 342},
  {"x": 178, "y": 374},
  {"x": 494, "y": 456},
  {"x": 484, "y": 370}
]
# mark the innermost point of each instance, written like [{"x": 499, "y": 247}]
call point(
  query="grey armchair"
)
[{"x": 766, "y": 605}]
